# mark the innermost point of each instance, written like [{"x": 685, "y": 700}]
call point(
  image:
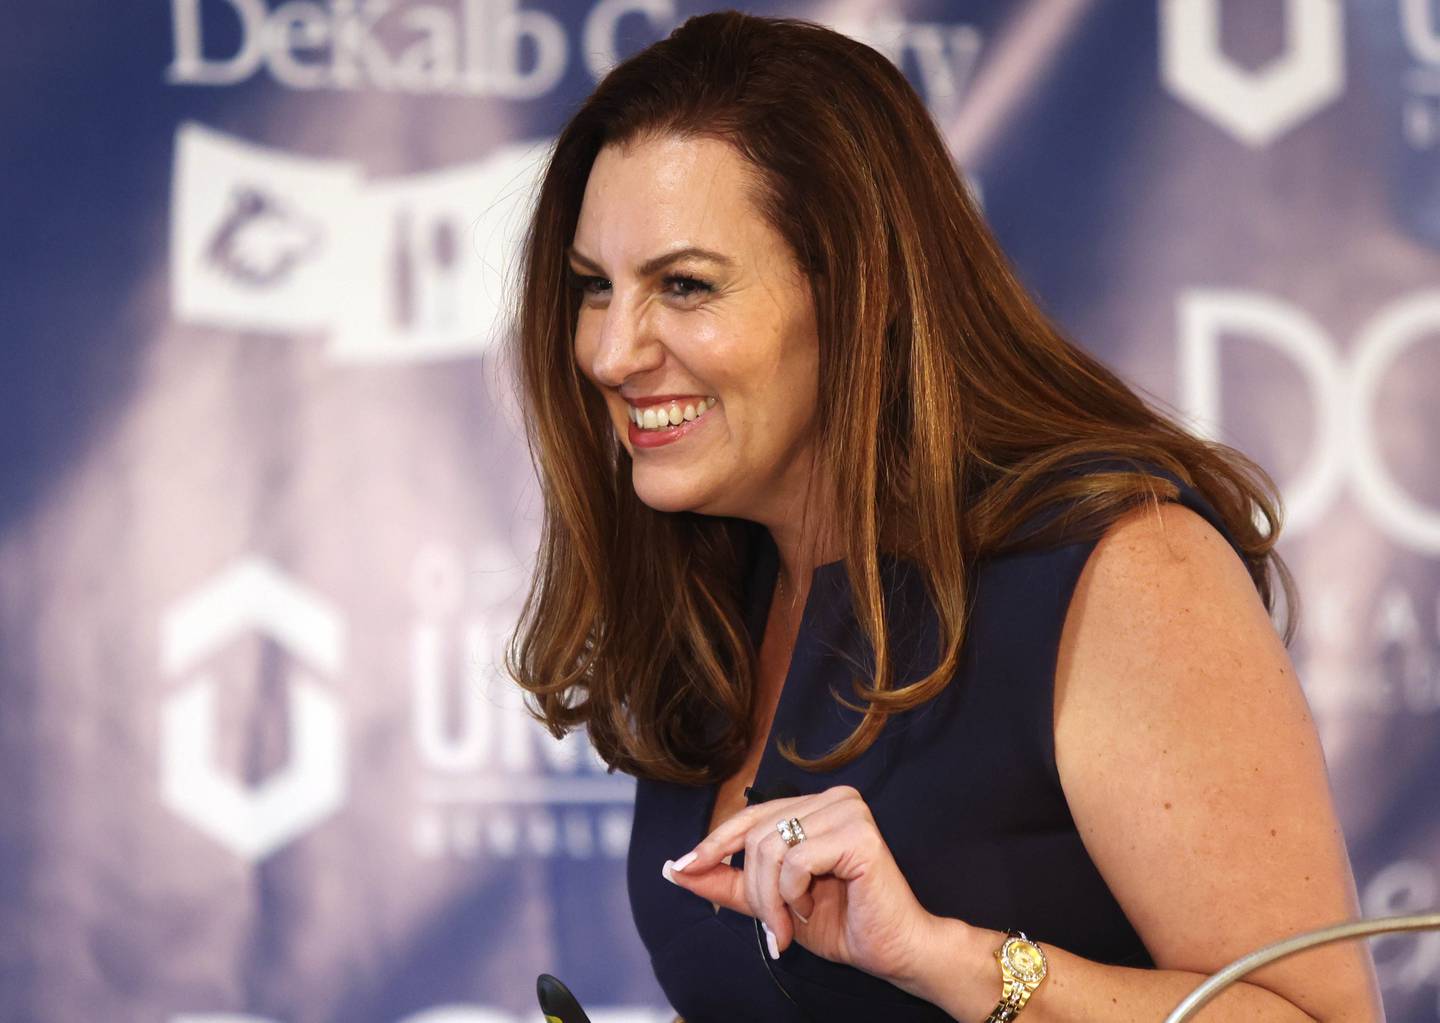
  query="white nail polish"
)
[
  {"x": 802, "y": 919},
  {"x": 683, "y": 862},
  {"x": 665, "y": 871},
  {"x": 770, "y": 940}
]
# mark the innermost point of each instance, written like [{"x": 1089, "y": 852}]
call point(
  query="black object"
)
[
  {"x": 781, "y": 789},
  {"x": 556, "y": 1001}
]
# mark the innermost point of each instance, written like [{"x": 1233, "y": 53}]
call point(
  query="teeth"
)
[{"x": 657, "y": 417}]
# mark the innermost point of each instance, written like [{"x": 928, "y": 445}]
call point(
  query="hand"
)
[{"x": 839, "y": 892}]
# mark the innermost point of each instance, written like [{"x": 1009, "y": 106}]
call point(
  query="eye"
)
[
  {"x": 691, "y": 285},
  {"x": 582, "y": 283},
  {"x": 679, "y": 285}
]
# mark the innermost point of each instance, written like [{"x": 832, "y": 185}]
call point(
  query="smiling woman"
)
[
  {"x": 916, "y": 625},
  {"x": 666, "y": 326}
]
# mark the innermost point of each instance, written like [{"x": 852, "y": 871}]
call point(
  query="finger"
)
[
  {"x": 846, "y": 852},
  {"x": 780, "y": 871},
  {"x": 730, "y": 887},
  {"x": 706, "y": 875},
  {"x": 764, "y": 850},
  {"x": 729, "y": 836},
  {"x": 794, "y": 884},
  {"x": 722, "y": 884}
]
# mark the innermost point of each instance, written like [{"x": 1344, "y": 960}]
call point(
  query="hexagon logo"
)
[
  {"x": 252, "y": 821},
  {"x": 1254, "y": 106}
]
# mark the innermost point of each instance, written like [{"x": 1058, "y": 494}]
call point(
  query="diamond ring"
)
[{"x": 791, "y": 831}]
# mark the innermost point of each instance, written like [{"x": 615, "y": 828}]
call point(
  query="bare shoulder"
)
[
  {"x": 1191, "y": 763},
  {"x": 1153, "y": 547},
  {"x": 1163, "y": 584}
]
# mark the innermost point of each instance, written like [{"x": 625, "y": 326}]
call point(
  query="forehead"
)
[{"x": 663, "y": 192}]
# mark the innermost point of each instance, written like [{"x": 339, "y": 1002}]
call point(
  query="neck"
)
[
  {"x": 804, "y": 538},
  {"x": 797, "y": 563}
]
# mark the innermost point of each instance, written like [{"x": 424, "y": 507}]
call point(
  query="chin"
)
[
  {"x": 666, "y": 499},
  {"x": 671, "y": 495}
]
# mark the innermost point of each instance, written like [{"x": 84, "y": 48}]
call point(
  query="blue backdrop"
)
[{"x": 267, "y": 514}]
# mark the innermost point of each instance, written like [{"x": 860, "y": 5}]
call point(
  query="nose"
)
[{"x": 624, "y": 345}]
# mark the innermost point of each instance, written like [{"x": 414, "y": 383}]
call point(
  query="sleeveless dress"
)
[{"x": 964, "y": 790}]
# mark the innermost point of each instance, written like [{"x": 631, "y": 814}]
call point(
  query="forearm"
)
[{"x": 959, "y": 974}]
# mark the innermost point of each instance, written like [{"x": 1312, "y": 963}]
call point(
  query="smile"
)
[
  {"x": 658, "y": 417},
  {"x": 679, "y": 419}
]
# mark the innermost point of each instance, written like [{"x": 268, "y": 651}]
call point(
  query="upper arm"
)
[{"x": 1192, "y": 766}]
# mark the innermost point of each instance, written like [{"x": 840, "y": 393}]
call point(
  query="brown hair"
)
[{"x": 950, "y": 407}]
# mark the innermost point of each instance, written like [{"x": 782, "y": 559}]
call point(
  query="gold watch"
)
[{"x": 1022, "y": 968}]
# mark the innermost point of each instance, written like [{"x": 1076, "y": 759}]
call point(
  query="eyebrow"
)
[{"x": 653, "y": 266}]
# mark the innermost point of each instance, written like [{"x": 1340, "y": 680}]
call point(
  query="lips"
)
[
  {"x": 663, "y": 399},
  {"x": 660, "y": 416},
  {"x": 642, "y": 439}
]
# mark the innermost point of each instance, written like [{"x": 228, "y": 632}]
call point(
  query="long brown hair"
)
[{"x": 950, "y": 407}]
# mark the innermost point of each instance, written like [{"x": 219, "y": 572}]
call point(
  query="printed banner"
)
[{"x": 268, "y": 513}]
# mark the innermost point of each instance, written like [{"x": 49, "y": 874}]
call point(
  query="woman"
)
[{"x": 913, "y": 622}]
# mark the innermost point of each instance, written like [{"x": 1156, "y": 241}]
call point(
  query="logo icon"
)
[
  {"x": 261, "y": 239},
  {"x": 252, "y": 821},
  {"x": 1345, "y": 382},
  {"x": 1254, "y": 106},
  {"x": 395, "y": 270}
]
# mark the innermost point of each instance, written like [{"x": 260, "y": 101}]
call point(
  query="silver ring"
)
[{"x": 791, "y": 831}]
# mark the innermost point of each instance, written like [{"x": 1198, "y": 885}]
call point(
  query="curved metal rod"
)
[{"x": 1279, "y": 950}]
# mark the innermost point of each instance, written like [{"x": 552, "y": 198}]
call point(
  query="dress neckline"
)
[{"x": 758, "y": 595}]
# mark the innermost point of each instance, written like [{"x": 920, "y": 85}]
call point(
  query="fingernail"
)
[
  {"x": 770, "y": 940},
  {"x": 665, "y": 871},
  {"x": 802, "y": 919},
  {"x": 683, "y": 862}
]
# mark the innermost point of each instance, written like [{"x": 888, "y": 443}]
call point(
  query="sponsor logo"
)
[
  {"x": 400, "y": 270},
  {"x": 496, "y": 48},
  {"x": 260, "y": 240},
  {"x": 471, "y": 47},
  {"x": 1370, "y": 644},
  {"x": 1255, "y": 106},
  {"x": 493, "y": 781},
  {"x": 1345, "y": 388},
  {"x": 252, "y": 821}
]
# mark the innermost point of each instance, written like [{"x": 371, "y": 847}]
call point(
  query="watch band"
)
[{"x": 1010, "y": 1005}]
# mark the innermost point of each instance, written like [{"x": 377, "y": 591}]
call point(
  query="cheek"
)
[
  {"x": 798, "y": 375},
  {"x": 744, "y": 357},
  {"x": 705, "y": 347}
]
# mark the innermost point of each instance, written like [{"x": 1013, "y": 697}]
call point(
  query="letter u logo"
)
[{"x": 252, "y": 821}]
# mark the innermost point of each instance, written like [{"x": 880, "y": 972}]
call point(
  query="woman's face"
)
[{"x": 737, "y": 327}]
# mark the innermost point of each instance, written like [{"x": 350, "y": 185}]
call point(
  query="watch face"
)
[{"x": 1025, "y": 959}]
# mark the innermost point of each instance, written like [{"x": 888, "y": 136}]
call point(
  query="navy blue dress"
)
[{"x": 964, "y": 790}]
